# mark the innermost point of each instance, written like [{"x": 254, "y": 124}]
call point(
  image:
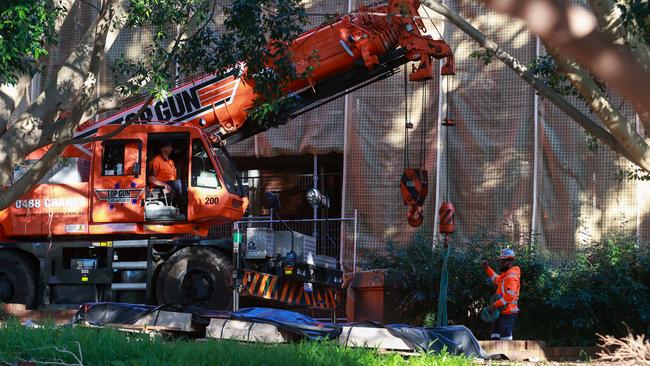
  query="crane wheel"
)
[
  {"x": 17, "y": 279},
  {"x": 195, "y": 276}
]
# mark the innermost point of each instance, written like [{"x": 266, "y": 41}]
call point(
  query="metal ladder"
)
[{"x": 131, "y": 265}]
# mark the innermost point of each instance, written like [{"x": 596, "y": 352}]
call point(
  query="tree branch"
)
[
  {"x": 617, "y": 124},
  {"x": 67, "y": 4},
  {"x": 536, "y": 83},
  {"x": 192, "y": 27},
  {"x": 610, "y": 18},
  {"x": 574, "y": 31},
  {"x": 12, "y": 95},
  {"x": 58, "y": 25},
  {"x": 102, "y": 104},
  {"x": 33, "y": 175},
  {"x": 176, "y": 45},
  {"x": 76, "y": 76},
  {"x": 111, "y": 99},
  {"x": 65, "y": 131}
]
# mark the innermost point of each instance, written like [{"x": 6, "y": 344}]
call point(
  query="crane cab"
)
[{"x": 124, "y": 194}]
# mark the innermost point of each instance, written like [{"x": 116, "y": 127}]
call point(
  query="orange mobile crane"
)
[{"x": 96, "y": 230}]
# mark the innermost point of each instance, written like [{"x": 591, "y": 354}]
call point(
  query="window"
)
[
  {"x": 121, "y": 158},
  {"x": 69, "y": 170},
  {"x": 64, "y": 171},
  {"x": 204, "y": 173},
  {"x": 230, "y": 175}
]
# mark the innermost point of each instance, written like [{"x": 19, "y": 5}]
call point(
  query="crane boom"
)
[{"x": 366, "y": 44}]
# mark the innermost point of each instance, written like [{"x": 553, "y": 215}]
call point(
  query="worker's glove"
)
[
  {"x": 167, "y": 188},
  {"x": 485, "y": 264}
]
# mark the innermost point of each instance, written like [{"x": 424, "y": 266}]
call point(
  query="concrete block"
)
[
  {"x": 169, "y": 319},
  {"x": 244, "y": 331},
  {"x": 518, "y": 355},
  {"x": 369, "y": 337}
]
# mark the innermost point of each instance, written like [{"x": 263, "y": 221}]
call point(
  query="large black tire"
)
[
  {"x": 196, "y": 276},
  {"x": 17, "y": 279}
]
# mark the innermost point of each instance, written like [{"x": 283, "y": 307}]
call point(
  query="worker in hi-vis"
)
[{"x": 507, "y": 294}]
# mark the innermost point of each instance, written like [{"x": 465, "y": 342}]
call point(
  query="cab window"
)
[
  {"x": 68, "y": 170},
  {"x": 204, "y": 174},
  {"x": 121, "y": 158},
  {"x": 230, "y": 177}
]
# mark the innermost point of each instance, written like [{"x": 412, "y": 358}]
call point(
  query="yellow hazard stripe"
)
[
  {"x": 263, "y": 283},
  {"x": 269, "y": 290},
  {"x": 251, "y": 289}
]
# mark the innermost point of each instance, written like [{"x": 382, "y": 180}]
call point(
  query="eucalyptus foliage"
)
[
  {"x": 636, "y": 17},
  {"x": 186, "y": 37},
  {"x": 255, "y": 33},
  {"x": 26, "y": 30}
]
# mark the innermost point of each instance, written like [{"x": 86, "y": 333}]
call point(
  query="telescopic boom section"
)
[
  {"x": 222, "y": 105},
  {"x": 366, "y": 35}
]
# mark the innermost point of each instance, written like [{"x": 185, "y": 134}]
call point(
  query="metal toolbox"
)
[
  {"x": 304, "y": 246},
  {"x": 259, "y": 243}
]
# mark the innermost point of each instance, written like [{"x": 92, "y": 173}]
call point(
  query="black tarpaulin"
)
[
  {"x": 456, "y": 339},
  {"x": 101, "y": 313},
  {"x": 287, "y": 321}
]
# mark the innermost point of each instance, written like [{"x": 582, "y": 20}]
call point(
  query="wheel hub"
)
[
  {"x": 6, "y": 288},
  {"x": 197, "y": 286}
]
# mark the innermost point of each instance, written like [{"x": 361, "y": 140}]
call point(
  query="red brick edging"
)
[
  {"x": 20, "y": 311},
  {"x": 538, "y": 351}
]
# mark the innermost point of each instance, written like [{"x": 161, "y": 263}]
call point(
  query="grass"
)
[{"x": 74, "y": 346}]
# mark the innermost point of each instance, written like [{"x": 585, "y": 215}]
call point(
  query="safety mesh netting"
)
[
  {"x": 580, "y": 196},
  {"x": 484, "y": 163},
  {"x": 493, "y": 166},
  {"x": 498, "y": 172},
  {"x": 490, "y": 152}
]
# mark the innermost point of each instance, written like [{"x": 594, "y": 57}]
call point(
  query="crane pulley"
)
[{"x": 415, "y": 188}]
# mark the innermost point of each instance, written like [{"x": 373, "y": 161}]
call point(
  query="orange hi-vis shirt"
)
[
  {"x": 163, "y": 169},
  {"x": 507, "y": 289}
]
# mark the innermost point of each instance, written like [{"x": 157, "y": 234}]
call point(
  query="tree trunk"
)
[
  {"x": 36, "y": 127},
  {"x": 87, "y": 59},
  {"x": 617, "y": 124},
  {"x": 12, "y": 95}
]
